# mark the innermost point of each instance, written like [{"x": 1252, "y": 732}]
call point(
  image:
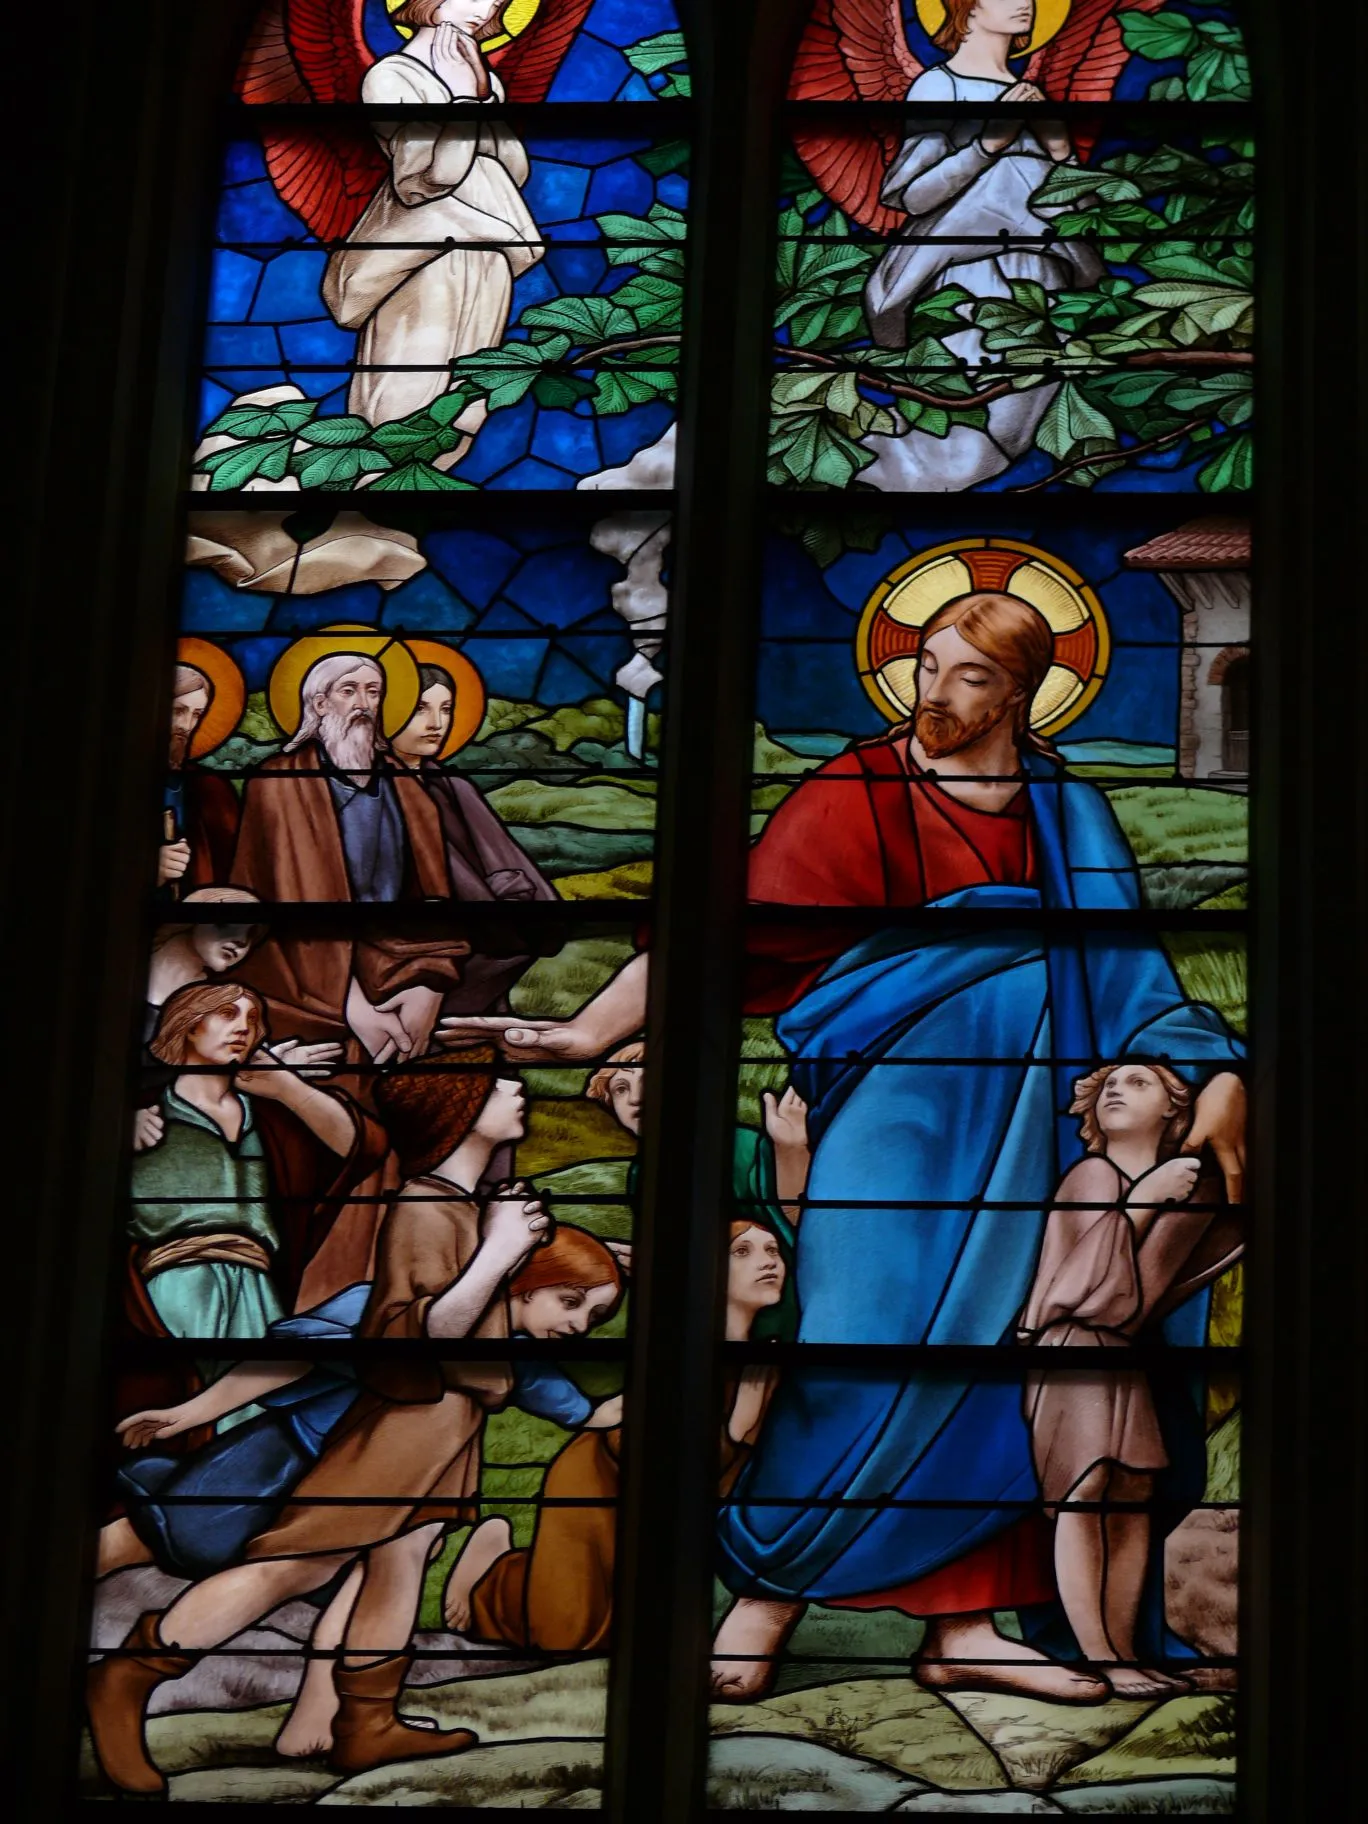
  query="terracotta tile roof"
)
[{"x": 1201, "y": 544}]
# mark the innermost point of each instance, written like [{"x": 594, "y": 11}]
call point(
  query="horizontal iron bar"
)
[
  {"x": 373, "y": 1351},
  {"x": 999, "y": 1361}
]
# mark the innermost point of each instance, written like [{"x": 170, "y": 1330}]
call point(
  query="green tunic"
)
[{"x": 197, "y": 1182}]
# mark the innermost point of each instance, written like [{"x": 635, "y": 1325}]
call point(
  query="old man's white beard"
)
[{"x": 349, "y": 738}]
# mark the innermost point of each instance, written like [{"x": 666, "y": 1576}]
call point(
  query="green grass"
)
[
  {"x": 585, "y": 807},
  {"x": 632, "y": 880},
  {"x": 1211, "y": 968},
  {"x": 1177, "y": 823},
  {"x": 554, "y": 987}
]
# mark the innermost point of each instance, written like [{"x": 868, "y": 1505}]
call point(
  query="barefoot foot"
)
[
  {"x": 1142, "y": 1681},
  {"x": 490, "y": 1540},
  {"x": 308, "y": 1729},
  {"x": 747, "y": 1642},
  {"x": 966, "y": 1653}
]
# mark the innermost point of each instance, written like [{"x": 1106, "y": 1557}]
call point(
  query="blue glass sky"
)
[
  {"x": 530, "y": 609},
  {"x": 807, "y": 679}
]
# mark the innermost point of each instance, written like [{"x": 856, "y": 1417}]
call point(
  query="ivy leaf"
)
[
  {"x": 420, "y": 477},
  {"x": 334, "y": 433},
  {"x": 234, "y": 468},
  {"x": 582, "y": 319},
  {"x": 506, "y": 374},
  {"x": 336, "y": 468},
  {"x": 1070, "y": 422},
  {"x": 1232, "y": 468},
  {"x": 1158, "y": 36},
  {"x": 263, "y": 421}
]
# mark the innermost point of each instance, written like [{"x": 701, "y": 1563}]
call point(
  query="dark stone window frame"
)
[{"x": 116, "y": 170}]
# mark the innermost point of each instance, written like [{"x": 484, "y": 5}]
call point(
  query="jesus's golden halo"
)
[
  {"x": 1049, "y": 17},
  {"x": 517, "y": 17},
  {"x": 889, "y": 634},
  {"x": 391, "y": 654}
]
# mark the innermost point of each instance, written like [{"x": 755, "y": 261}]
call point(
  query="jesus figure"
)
[{"x": 961, "y": 809}]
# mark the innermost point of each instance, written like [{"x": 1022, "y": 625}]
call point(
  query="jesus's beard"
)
[
  {"x": 349, "y": 738},
  {"x": 940, "y": 731},
  {"x": 180, "y": 746}
]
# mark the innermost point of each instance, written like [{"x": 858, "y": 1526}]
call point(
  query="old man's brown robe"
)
[{"x": 414, "y": 1438}]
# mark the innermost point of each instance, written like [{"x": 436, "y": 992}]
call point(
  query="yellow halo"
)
[
  {"x": 228, "y": 693},
  {"x": 392, "y": 656},
  {"x": 518, "y": 15},
  {"x": 1049, "y": 17},
  {"x": 889, "y": 634},
  {"x": 467, "y": 712}
]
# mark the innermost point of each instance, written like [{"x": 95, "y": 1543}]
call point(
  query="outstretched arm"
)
[
  {"x": 239, "y": 1387},
  {"x": 325, "y": 1116},
  {"x": 615, "y": 1013}
]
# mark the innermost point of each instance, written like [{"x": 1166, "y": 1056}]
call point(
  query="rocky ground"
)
[{"x": 853, "y": 1744}]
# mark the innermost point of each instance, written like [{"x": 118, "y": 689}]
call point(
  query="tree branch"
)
[
  {"x": 808, "y": 357},
  {"x": 1117, "y": 455}
]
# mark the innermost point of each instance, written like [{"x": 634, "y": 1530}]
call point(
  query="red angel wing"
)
[
  {"x": 853, "y": 50},
  {"x": 1084, "y": 59},
  {"x": 314, "y": 51},
  {"x": 527, "y": 63}
]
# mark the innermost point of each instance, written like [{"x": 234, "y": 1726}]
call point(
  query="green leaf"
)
[
  {"x": 582, "y": 319},
  {"x": 1229, "y": 397},
  {"x": 1158, "y": 36},
  {"x": 417, "y": 438},
  {"x": 617, "y": 389},
  {"x": 244, "y": 462},
  {"x": 661, "y": 225},
  {"x": 449, "y": 407},
  {"x": 1203, "y": 310},
  {"x": 1070, "y": 422},
  {"x": 505, "y": 374},
  {"x": 665, "y": 159},
  {"x": 650, "y": 55},
  {"x": 420, "y": 477},
  {"x": 1217, "y": 75},
  {"x": 334, "y": 433},
  {"x": 263, "y": 421},
  {"x": 558, "y": 392},
  {"x": 335, "y": 468},
  {"x": 1232, "y": 468},
  {"x": 807, "y": 450}
]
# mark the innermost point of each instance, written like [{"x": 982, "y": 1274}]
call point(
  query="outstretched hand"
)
[
  {"x": 786, "y": 1119},
  {"x": 321, "y": 1060},
  {"x": 1219, "y": 1120},
  {"x": 520, "y": 1040},
  {"x": 140, "y": 1429}
]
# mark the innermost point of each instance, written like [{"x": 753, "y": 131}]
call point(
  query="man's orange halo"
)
[
  {"x": 889, "y": 634},
  {"x": 467, "y": 712},
  {"x": 518, "y": 15},
  {"x": 388, "y": 651},
  {"x": 1049, "y": 17},
  {"x": 228, "y": 698}
]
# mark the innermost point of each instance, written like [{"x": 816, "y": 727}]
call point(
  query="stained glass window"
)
[
  {"x": 361, "y": 1449},
  {"x": 997, "y": 896}
]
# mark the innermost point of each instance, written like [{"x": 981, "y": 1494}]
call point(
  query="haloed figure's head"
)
[
  {"x": 1146, "y": 1102},
  {"x": 620, "y": 1084},
  {"x": 191, "y": 695},
  {"x": 340, "y": 701},
  {"x": 981, "y": 660},
  {"x": 504, "y": 1114},
  {"x": 1014, "y": 19},
  {"x": 755, "y": 1268},
  {"x": 425, "y": 733},
  {"x": 478, "y": 19}
]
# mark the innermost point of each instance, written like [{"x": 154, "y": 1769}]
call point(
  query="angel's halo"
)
[
  {"x": 517, "y": 17},
  {"x": 1049, "y": 17}
]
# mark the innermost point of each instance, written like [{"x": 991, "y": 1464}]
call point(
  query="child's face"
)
[
  {"x": 504, "y": 1115},
  {"x": 564, "y": 1310},
  {"x": 624, "y": 1096},
  {"x": 1133, "y": 1100},
  {"x": 755, "y": 1270}
]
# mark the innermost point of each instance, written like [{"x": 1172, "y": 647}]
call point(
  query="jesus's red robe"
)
[{"x": 870, "y": 829}]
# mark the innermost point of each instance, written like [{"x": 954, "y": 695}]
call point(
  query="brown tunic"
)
[
  {"x": 558, "y": 1594},
  {"x": 413, "y": 1438},
  {"x": 1097, "y": 1286}
]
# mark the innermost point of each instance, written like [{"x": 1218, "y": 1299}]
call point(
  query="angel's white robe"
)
[
  {"x": 950, "y": 187},
  {"x": 416, "y": 303}
]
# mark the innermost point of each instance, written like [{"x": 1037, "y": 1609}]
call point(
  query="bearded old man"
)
[
  {"x": 966, "y": 811},
  {"x": 200, "y": 806},
  {"x": 332, "y": 819}
]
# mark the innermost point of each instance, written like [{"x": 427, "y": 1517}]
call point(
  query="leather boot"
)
[
  {"x": 368, "y": 1730},
  {"x": 117, "y": 1690}
]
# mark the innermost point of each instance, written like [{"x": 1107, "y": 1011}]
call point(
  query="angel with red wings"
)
[
  {"x": 428, "y": 222},
  {"x": 955, "y": 185}
]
